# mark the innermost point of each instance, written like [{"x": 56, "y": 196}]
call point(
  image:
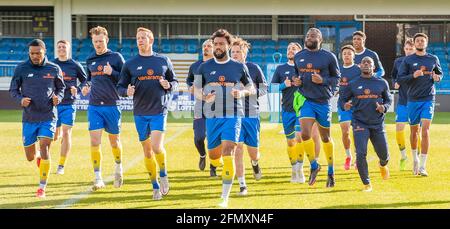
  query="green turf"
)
[{"x": 191, "y": 188}]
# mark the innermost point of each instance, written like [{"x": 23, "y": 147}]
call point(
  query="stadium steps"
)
[{"x": 181, "y": 63}]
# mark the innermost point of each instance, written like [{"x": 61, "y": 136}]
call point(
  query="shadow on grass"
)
[{"x": 390, "y": 205}]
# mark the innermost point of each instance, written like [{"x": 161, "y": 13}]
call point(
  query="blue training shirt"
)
[
  {"x": 403, "y": 89},
  {"x": 287, "y": 93},
  {"x": 420, "y": 88},
  {"x": 259, "y": 81},
  {"x": 39, "y": 83},
  {"x": 326, "y": 65},
  {"x": 71, "y": 71},
  {"x": 144, "y": 72},
  {"x": 365, "y": 93},
  {"x": 348, "y": 74},
  {"x": 103, "y": 87},
  {"x": 220, "y": 78}
]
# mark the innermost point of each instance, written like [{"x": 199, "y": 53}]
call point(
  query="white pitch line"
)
[{"x": 76, "y": 198}]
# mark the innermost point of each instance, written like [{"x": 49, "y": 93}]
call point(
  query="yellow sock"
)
[
  {"x": 43, "y": 173},
  {"x": 117, "y": 152},
  {"x": 300, "y": 150},
  {"x": 150, "y": 165},
  {"x": 96, "y": 157},
  {"x": 161, "y": 159},
  {"x": 216, "y": 162},
  {"x": 309, "y": 149},
  {"x": 228, "y": 171},
  {"x": 62, "y": 161},
  {"x": 293, "y": 156},
  {"x": 401, "y": 141},
  {"x": 328, "y": 147}
]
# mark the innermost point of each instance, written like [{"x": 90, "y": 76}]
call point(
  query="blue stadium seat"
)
[
  {"x": 192, "y": 46},
  {"x": 270, "y": 44},
  {"x": 283, "y": 44},
  {"x": 166, "y": 46},
  {"x": 257, "y": 44},
  {"x": 269, "y": 50},
  {"x": 179, "y": 45}
]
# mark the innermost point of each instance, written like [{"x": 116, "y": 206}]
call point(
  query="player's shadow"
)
[{"x": 391, "y": 205}]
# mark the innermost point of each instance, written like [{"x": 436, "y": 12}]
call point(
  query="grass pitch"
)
[{"x": 191, "y": 188}]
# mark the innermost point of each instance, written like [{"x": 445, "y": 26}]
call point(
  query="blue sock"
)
[
  {"x": 155, "y": 185},
  {"x": 330, "y": 170},
  {"x": 314, "y": 164},
  {"x": 162, "y": 173}
]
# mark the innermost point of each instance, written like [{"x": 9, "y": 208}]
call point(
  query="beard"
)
[
  {"x": 219, "y": 55},
  {"x": 312, "y": 44}
]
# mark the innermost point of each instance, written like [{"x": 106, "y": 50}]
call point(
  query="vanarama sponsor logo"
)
[
  {"x": 367, "y": 95},
  {"x": 309, "y": 68},
  {"x": 150, "y": 75},
  {"x": 48, "y": 76}
]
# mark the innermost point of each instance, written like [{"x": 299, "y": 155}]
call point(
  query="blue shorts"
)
[
  {"x": 401, "y": 113},
  {"x": 66, "y": 115},
  {"x": 145, "y": 124},
  {"x": 420, "y": 110},
  {"x": 104, "y": 117},
  {"x": 291, "y": 124},
  {"x": 222, "y": 129},
  {"x": 320, "y": 112},
  {"x": 250, "y": 129},
  {"x": 199, "y": 126},
  {"x": 344, "y": 116},
  {"x": 32, "y": 131}
]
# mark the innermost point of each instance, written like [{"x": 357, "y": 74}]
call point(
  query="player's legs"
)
[
  {"x": 44, "y": 168},
  {"x": 229, "y": 136},
  {"x": 96, "y": 158},
  {"x": 228, "y": 172},
  {"x": 345, "y": 130},
  {"x": 213, "y": 131},
  {"x": 401, "y": 119},
  {"x": 150, "y": 165},
  {"x": 240, "y": 168},
  {"x": 328, "y": 148},
  {"x": 57, "y": 134},
  {"x": 159, "y": 151},
  {"x": 45, "y": 133},
  {"x": 425, "y": 144},
  {"x": 251, "y": 139},
  {"x": 66, "y": 145},
  {"x": 294, "y": 142},
  {"x": 361, "y": 137},
  {"x": 414, "y": 116},
  {"x": 379, "y": 141},
  {"x": 306, "y": 125},
  {"x": 316, "y": 138},
  {"x": 30, "y": 137},
  {"x": 116, "y": 146},
  {"x": 199, "y": 140}
]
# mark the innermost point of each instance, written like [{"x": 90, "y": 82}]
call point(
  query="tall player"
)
[
  {"x": 72, "y": 71},
  {"x": 286, "y": 77},
  {"x": 150, "y": 78},
  {"x": 402, "y": 111},
  {"x": 359, "y": 43},
  {"x": 319, "y": 75},
  {"x": 219, "y": 83},
  {"x": 38, "y": 86},
  {"x": 349, "y": 72},
  {"x": 370, "y": 99},
  {"x": 420, "y": 71},
  {"x": 199, "y": 118},
  {"x": 250, "y": 129},
  {"x": 104, "y": 68}
]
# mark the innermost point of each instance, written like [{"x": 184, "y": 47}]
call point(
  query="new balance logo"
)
[
  {"x": 93, "y": 63},
  {"x": 302, "y": 60},
  {"x": 415, "y": 64},
  {"x": 30, "y": 75},
  {"x": 287, "y": 73},
  {"x": 213, "y": 73},
  {"x": 360, "y": 87},
  {"x": 139, "y": 68}
]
